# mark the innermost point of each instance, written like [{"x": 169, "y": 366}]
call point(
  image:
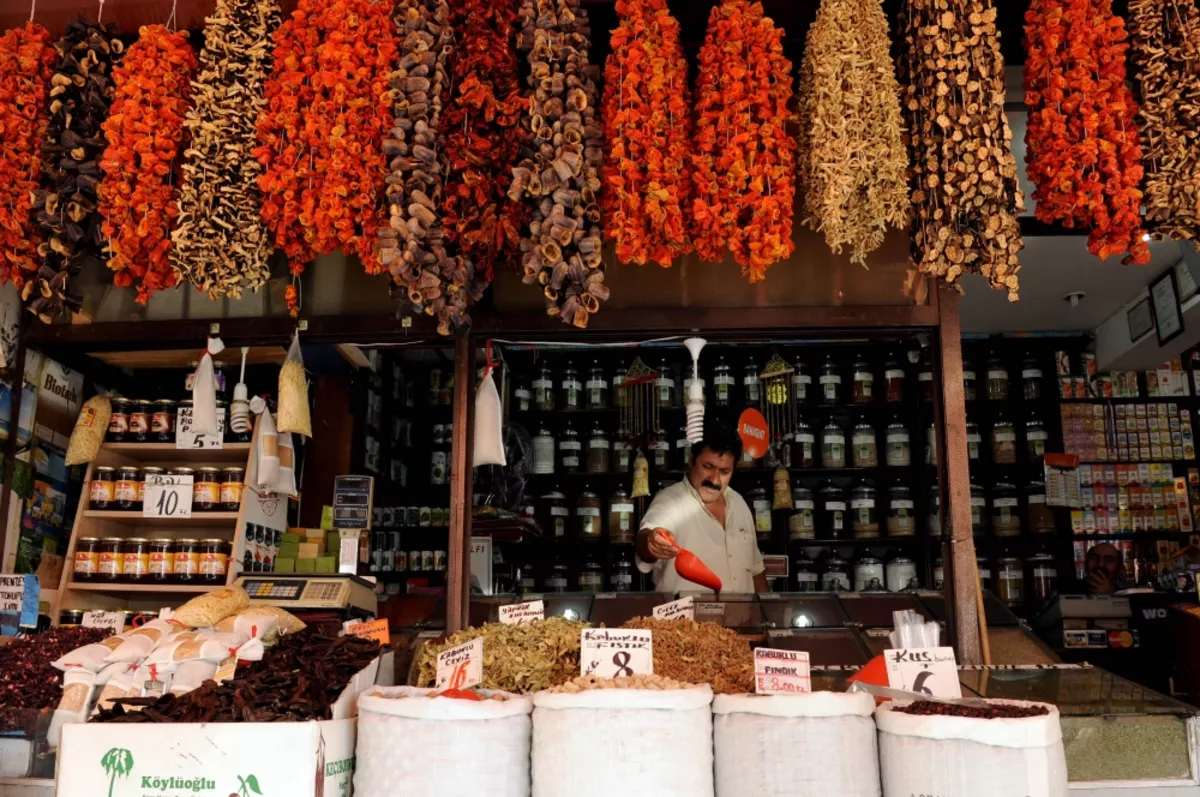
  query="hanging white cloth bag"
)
[
  {"x": 204, "y": 391},
  {"x": 489, "y": 424}
]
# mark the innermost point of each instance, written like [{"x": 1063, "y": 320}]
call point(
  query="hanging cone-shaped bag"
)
[
  {"x": 204, "y": 391},
  {"x": 489, "y": 423}
]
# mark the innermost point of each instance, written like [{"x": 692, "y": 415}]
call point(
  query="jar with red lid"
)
[
  {"x": 139, "y": 421},
  {"x": 128, "y": 489},
  {"x": 102, "y": 492},
  {"x": 87, "y": 559},
  {"x": 893, "y": 381}
]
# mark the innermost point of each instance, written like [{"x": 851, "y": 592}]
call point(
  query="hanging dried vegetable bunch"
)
[
  {"x": 962, "y": 172},
  {"x": 221, "y": 244},
  {"x": 1165, "y": 47},
  {"x": 853, "y": 168},
  {"x": 743, "y": 159},
  {"x": 648, "y": 129},
  {"x": 26, "y": 63},
  {"x": 81, "y": 91},
  {"x": 558, "y": 174},
  {"x": 145, "y": 136},
  {"x": 425, "y": 277},
  {"x": 483, "y": 138},
  {"x": 1081, "y": 147}
]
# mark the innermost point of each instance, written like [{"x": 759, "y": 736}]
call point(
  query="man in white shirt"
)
[{"x": 705, "y": 517}]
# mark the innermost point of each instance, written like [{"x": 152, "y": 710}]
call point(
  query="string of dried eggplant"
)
[
  {"x": 220, "y": 243},
  {"x": 1165, "y": 51},
  {"x": 963, "y": 176},
  {"x": 852, "y": 163},
  {"x": 26, "y": 64},
  {"x": 1082, "y": 152},
  {"x": 647, "y": 129},
  {"x": 81, "y": 91},
  {"x": 744, "y": 160},
  {"x": 558, "y": 174},
  {"x": 426, "y": 278},
  {"x": 145, "y": 136}
]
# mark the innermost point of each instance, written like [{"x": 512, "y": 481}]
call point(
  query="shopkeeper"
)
[{"x": 705, "y": 517}]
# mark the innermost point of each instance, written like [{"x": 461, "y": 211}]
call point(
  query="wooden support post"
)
[
  {"x": 956, "y": 489},
  {"x": 458, "y": 575}
]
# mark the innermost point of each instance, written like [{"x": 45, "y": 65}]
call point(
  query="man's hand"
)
[{"x": 660, "y": 544}]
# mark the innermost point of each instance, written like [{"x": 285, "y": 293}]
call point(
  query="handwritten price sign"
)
[
  {"x": 781, "y": 672},
  {"x": 112, "y": 622},
  {"x": 616, "y": 653},
  {"x": 684, "y": 607},
  {"x": 523, "y": 613},
  {"x": 460, "y": 667},
  {"x": 167, "y": 496},
  {"x": 927, "y": 671}
]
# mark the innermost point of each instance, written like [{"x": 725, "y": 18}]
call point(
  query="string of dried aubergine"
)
[
  {"x": 483, "y": 139},
  {"x": 647, "y": 129},
  {"x": 145, "y": 135},
  {"x": 963, "y": 177},
  {"x": 853, "y": 168},
  {"x": 81, "y": 91},
  {"x": 425, "y": 277},
  {"x": 744, "y": 160},
  {"x": 1165, "y": 50},
  {"x": 220, "y": 244},
  {"x": 558, "y": 175},
  {"x": 26, "y": 62}
]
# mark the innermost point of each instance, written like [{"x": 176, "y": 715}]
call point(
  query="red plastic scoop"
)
[{"x": 690, "y": 566}]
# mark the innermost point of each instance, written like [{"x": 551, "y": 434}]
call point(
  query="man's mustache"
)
[{"x": 710, "y": 485}]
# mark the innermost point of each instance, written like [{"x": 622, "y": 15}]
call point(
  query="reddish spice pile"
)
[
  {"x": 992, "y": 711},
  {"x": 28, "y": 682}
]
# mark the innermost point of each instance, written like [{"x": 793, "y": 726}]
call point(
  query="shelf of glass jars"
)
[
  {"x": 1133, "y": 535},
  {"x": 858, "y": 542},
  {"x": 196, "y": 520},
  {"x": 151, "y": 453},
  {"x": 673, "y": 473}
]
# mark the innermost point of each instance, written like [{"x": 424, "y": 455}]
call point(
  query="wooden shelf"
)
[
  {"x": 197, "y": 520},
  {"x": 191, "y": 589},
  {"x": 232, "y": 453}
]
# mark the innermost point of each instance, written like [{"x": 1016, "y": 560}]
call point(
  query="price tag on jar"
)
[
  {"x": 186, "y": 438},
  {"x": 167, "y": 496},
  {"x": 684, "y": 607},
  {"x": 460, "y": 667},
  {"x": 525, "y": 613},
  {"x": 781, "y": 672},
  {"x": 927, "y": 671},
  {"x": 113, "y": 622},
  {"x": 616, "y": 652}
]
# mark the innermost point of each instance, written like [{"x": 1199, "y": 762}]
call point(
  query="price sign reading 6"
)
[{"x": 167, "y": 497}]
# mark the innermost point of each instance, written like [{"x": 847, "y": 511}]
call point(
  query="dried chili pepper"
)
[
  {"x": 28, "y": 680},
  {"x": 145, "y": 136}
]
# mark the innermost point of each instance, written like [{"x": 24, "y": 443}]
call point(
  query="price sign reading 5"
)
[
  {"x": 616, "y": 653},
  {"x": 167, "y": 497},
  {"x": 460, "y": 667}
]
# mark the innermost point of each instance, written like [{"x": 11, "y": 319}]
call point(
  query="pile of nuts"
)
[
  {"x": 220, "y": 244},
  {"x": 853, "y": 168},
  {"x": 558, "y": 174},
  {"x": 700, "y": 653},
  {"x": 1165, "y": 46},
  {"x": 963, "y": 177},
  {"x": 586, "y": 683},
  {"x": 992, "y": 711},
  {"x": 81, "y": 91},
  {"x": 516, "y": 658}
]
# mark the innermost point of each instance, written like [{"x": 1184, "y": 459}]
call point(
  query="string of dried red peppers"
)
[
  {"x": 743, "y": 159},
  {"x": 26, "y": 61},
  {"x": 145, "y": 135},
  {"x": 1082, "y": 148},
  {"x": 648, "y": 127}
]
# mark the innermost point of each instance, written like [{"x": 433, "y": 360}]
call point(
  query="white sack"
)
[
  {"x": 807, "y": 745},
  {"x": 489, "y": 425},
  {"x": 627, "y": 742},
  {"x": 204, "y": 391},
  {"x": 965, "y": 757},
  {"x": 467, "y": 747}
]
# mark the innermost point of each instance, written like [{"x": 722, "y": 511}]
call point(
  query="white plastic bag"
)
[
  {"x": 489, "y": 424},
  {"x": 204, "y": 391},
  {"x": 828, "y": 739},
  {"x": 628, "y": 742},
  {"x": 965, "y": 757},
  {"x": 468, "y": 747}
]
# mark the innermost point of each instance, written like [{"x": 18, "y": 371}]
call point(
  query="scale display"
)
[{"x": 306, "y": 592}]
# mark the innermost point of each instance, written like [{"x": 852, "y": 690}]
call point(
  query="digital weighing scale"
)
[{"x": 345, "y": 594}]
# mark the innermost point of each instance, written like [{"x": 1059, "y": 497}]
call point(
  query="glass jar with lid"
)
[
  {"x": 622, "y": 451},
  {"x": 660, "y": 451},
  {"x": 802, "y": 392},
  {"x": 162, "y": 421},
  {"x": 162, "y": 560},
  {"x": 118, "y": 420},
  {"x": 974, "y": 441},
  {"x": 804, "y": 445},
  {"x": 526, "y": 582},
  {"x": 214, "y": 560},
  {"x": 801, "y": 523},
  {"x": 206, "y": 490},
  {"x": 806, "y": 576},
  {"x": 619, "y": 397},
  {"x": 522, "y": 397},
  {"x": 1045, "y": 576},
  {"x": 233, "y": 478},
  {"x": 570, "y": 451},
  {"x": 723, "y": 383},
  {"x": 1010, "y": 581},
  {"x": 893, "y": 380},
  {"x": 863, "y": 446},
  {"x": 552, "y": 513},
  {"x": 978, "y": 509},
  {"x": 1039, "y": 516},
  {"x": 139, "y": 420},
  {"x": 899, "y": 452},
  {"x": 591, "y": 577},
  {"x": 868, "y": 574},
  {"x": 110, "y": 562},
  {"x": 833, "y": 446},
  {"x": 128, "y": 489},
  {"x": 597, "y": 388},
  {"x": 683, "y": 450},
  {"x": 664, "y": 385},
  {"x": 836, "y": 577},
  {"x": 559, "y": 579},
  {"x": 87, "y": 559},
  {"x": 1004, "y": 441},
  {"x": 572, "y": 389},
  {"x": 997, "y": 379},
  {"x": 187, "y": 560},
  {"x": 751, "y": 386},
  {"x": 900, "y": 519},
  {"x": 543, "y": 451},
  {"x": 1035, "y": 439},
  {"x": 621, "y": 518},
  {"x": 931, "y": 445},
  {"x": 760, "y": 506},
  {"x": 1006, "y": 520},
  {"x": 1031, "y": 378},
  {"x": 902, "y": 574},
  {"x": 622, "y": 577},
  {"x": 587, "y": 511},
  {"x": 939, "y": 575},
  {"x": 831, "y": 382},
  {"x": 933, "y": 524},
  {"x": 832, "y": 512},
  {"x": 543, "y": 390},
  {"x": 864, "y": 516},
  {"x": 599, "y": 453},
  {"x": 862, "y": 386},
  {"x": 925, "y": 381}
]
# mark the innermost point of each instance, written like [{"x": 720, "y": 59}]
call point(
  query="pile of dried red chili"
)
[
  {"x": 28, "y": 680},
  {"x": 1082, "y": 148},
  {"x": 992, "y": 711}
]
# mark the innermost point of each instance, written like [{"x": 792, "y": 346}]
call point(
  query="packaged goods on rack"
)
[
  {"x": 1005, "y": 751},
  {"x": 635, "y": 742},
  {"x": 700, "y": 653},
  {"x": 516, "y": 658},
  {"x": 89, "y": 431},
  {"x": 29, "y": 681},
  {"x": 474, "y": 746},
  {"x": 829, "y": 738}
]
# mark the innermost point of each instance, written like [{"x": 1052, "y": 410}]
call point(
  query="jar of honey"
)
[
  {"x": 162, "y": 421},
  {"x": 214, "y": 560},
  {"x": 187, "y": 561},
  {"x": 87, "y": 559},
  {"x": 110, "y": 564},
  {"x": 147, "y": 472},
  {"x": 206, "y": 490},
  {"x": 118, "y": 421},
  {"x": 139, "y": 421},
  {"x": 128, "y": 489},
  {"x": 135, "y": 553},
  {"x": 232, "y": 480},
  {"x": 162, "y": 560},
  {"x": 103, "y": 490}
]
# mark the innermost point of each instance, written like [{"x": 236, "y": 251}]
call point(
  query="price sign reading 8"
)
[
  {"x": 616, "y": 653},
  {"x": 460, "y": 667}
]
